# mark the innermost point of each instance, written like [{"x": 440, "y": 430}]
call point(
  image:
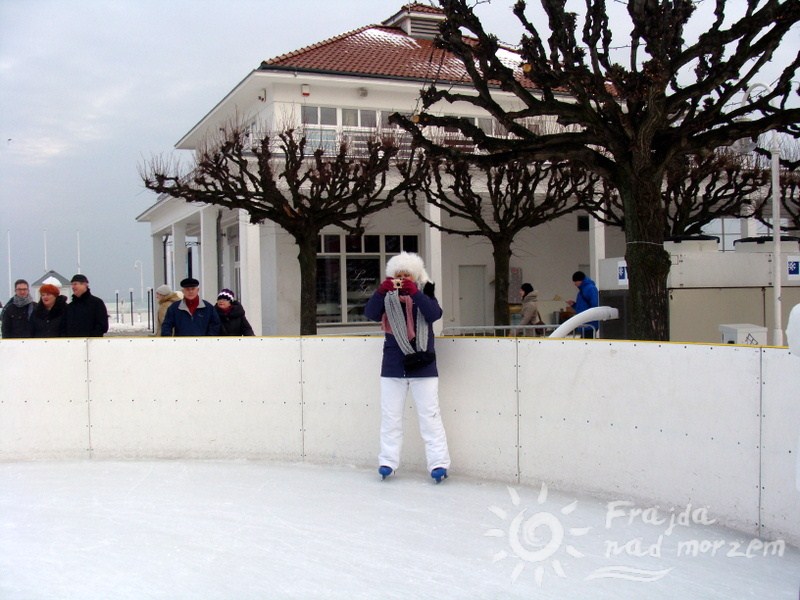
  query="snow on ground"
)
[{"x": 240, "y": 530}]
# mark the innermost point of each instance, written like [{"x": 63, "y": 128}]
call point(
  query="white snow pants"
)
[{"x": 425, "y": 391}]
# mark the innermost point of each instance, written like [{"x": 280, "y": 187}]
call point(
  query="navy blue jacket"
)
[
  {"x": 180, "y": 322},
  {"x": 392, "y": 365}
]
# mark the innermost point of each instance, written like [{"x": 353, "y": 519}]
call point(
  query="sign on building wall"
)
[
  {"x": 793, "y": 268},
  {"x": 622, "y": 273}
]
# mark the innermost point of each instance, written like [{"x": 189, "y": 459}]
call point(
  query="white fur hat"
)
[{"x": 410, "y": 263}]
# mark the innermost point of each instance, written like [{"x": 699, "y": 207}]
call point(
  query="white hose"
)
[
  {"x": 793, "y": 333},
  {"x": 598, "y": 313}
]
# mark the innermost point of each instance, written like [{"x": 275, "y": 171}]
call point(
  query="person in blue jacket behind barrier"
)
[
  {"x": 191, "y": 316},
  {"x": 407, "y": 314},
  {"x": 588, "y": 297}
]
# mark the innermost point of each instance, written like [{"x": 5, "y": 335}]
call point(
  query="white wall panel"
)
[
  {"x": 663, "y": 425},
  {"x": 477, "y": 381},
  {"x": 644, "y": 421},
  {"x": 43, "y": 399},
  {"x": 780, "y": 429},
  {"x": 195, "y": 397},
  {"x": 341, "y": 399}
]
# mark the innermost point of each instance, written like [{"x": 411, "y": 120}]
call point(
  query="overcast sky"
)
[{"x": 89, "y": 89}]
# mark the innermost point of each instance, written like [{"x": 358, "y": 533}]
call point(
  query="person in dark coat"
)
[
  {"x": 409, "y": 362},
  {"x": 231, "y": 315},
  {"x": 192, "y": 316},
  {"x": 16, "y": 320},
  {"x": 47, "y": 320},
  {"x": 86, "y": 315}
]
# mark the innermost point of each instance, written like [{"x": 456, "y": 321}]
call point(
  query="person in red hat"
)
[{"x": 47, "y": 319}]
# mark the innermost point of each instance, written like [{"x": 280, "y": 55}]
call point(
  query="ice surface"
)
[{"x": 240, "y": 530}]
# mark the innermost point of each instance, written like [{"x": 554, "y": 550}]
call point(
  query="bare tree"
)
[
  {"x": 627, "y": 118},
  {"x": 697, "y": 189},
  {"x": 495, "y": 202},
  {"x": 789, "y": 187},
  {"x": 280, "y": 180}
]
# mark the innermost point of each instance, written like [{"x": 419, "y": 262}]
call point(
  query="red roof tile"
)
[
  {"x": 374, "y": 51},
  {"x": 385, "y": 51}
]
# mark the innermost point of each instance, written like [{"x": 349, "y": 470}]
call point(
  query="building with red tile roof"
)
[{"x": 348, "y": 85}]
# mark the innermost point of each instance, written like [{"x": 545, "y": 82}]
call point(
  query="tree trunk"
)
[
  {"x": 502, "y": 260},
  {"x": 648, "y": 262},
  {"x": 307, "y": 256}
]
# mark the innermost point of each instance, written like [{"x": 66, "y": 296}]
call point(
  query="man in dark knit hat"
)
[
  {"x": 192, "y": 316},
  {"x": 86, "y": 314}
]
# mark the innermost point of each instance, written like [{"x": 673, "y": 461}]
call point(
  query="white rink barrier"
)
[{"x": 658, "y": 424}]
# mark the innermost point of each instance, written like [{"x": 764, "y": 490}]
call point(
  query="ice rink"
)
[{"x": 241, "y": 530}]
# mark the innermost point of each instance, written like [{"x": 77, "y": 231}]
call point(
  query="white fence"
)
[{"x": 670, "y": 424}]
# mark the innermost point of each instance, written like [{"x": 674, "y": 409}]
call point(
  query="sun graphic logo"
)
[{"x": 536, "y": 538}]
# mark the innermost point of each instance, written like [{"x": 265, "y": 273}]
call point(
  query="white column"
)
[
  {"x": 250, "y": 269},
  {"x": 748, "y": 227},
  {"x": 159, "y": 274},
  {"x": 779, "y": 263},
  {"x": 209, "y": 283},
  {"x": 179, "y": 252},
  {"x": 597, "y": 247},
  {"x": 433, "y": 262}
]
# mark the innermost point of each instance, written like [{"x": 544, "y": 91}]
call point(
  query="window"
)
[
  {"x": 349, "y": 267},
  {"x": 325, "y": 127},
  {"x": 324, "y": 135},
  {"x": 318, "y": 115},
  {"x": 354, "y": 117},
  {"x": 729, "y": 229},
  {"x": 583, "y": 222}
]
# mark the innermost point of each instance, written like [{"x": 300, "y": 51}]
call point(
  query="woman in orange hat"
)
[{"x": 47, "y": 319}]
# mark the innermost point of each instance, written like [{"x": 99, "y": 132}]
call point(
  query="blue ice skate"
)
[
  {"x": 385, "y": 471},
  {"x": 439, "y": 474}
]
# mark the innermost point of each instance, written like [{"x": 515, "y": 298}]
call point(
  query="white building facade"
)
[{"x": 348, "y": 86}]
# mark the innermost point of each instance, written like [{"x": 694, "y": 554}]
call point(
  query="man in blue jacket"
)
[
  {"x": 191, "y": 316},
  {"x": 588, "y": 297}
]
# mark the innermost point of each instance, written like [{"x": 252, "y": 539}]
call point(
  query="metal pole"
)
[
  {"x": 778, "y": 267},
  {"x": 131, "y": 289},
  {"x": 137, "y": 264},
  {"x": 116, "y": 293}
]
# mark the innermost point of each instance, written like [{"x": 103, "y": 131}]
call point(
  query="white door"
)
[{"x": 472, "y": 295}]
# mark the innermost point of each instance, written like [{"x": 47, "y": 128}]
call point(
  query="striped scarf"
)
[{"x": 402, "y": 326}]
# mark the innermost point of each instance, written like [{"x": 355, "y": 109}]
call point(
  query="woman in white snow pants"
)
[
  {"x": 425, "y": 392},
  {"x": 409, "y": 362}
]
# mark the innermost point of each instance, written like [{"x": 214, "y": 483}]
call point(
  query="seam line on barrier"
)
[{"x": 88, "y": 400}]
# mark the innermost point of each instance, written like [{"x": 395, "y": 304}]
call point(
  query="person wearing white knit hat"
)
[
  {"x": 409, "y": 362},
  {"x": 165, "y": 298}
]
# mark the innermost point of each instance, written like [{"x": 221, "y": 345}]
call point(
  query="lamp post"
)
[
  {"x": 137, "y": 264},
  {"x": 775, "y": 150},
  {"x": 777, "y": 261}
]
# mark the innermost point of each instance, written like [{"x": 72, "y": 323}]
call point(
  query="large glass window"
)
[
  {"x": 329, "y": 294},
  {"x": 349, "y": 268}
]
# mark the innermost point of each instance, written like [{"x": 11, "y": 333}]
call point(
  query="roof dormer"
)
[{"x": 417, "y": 20}]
